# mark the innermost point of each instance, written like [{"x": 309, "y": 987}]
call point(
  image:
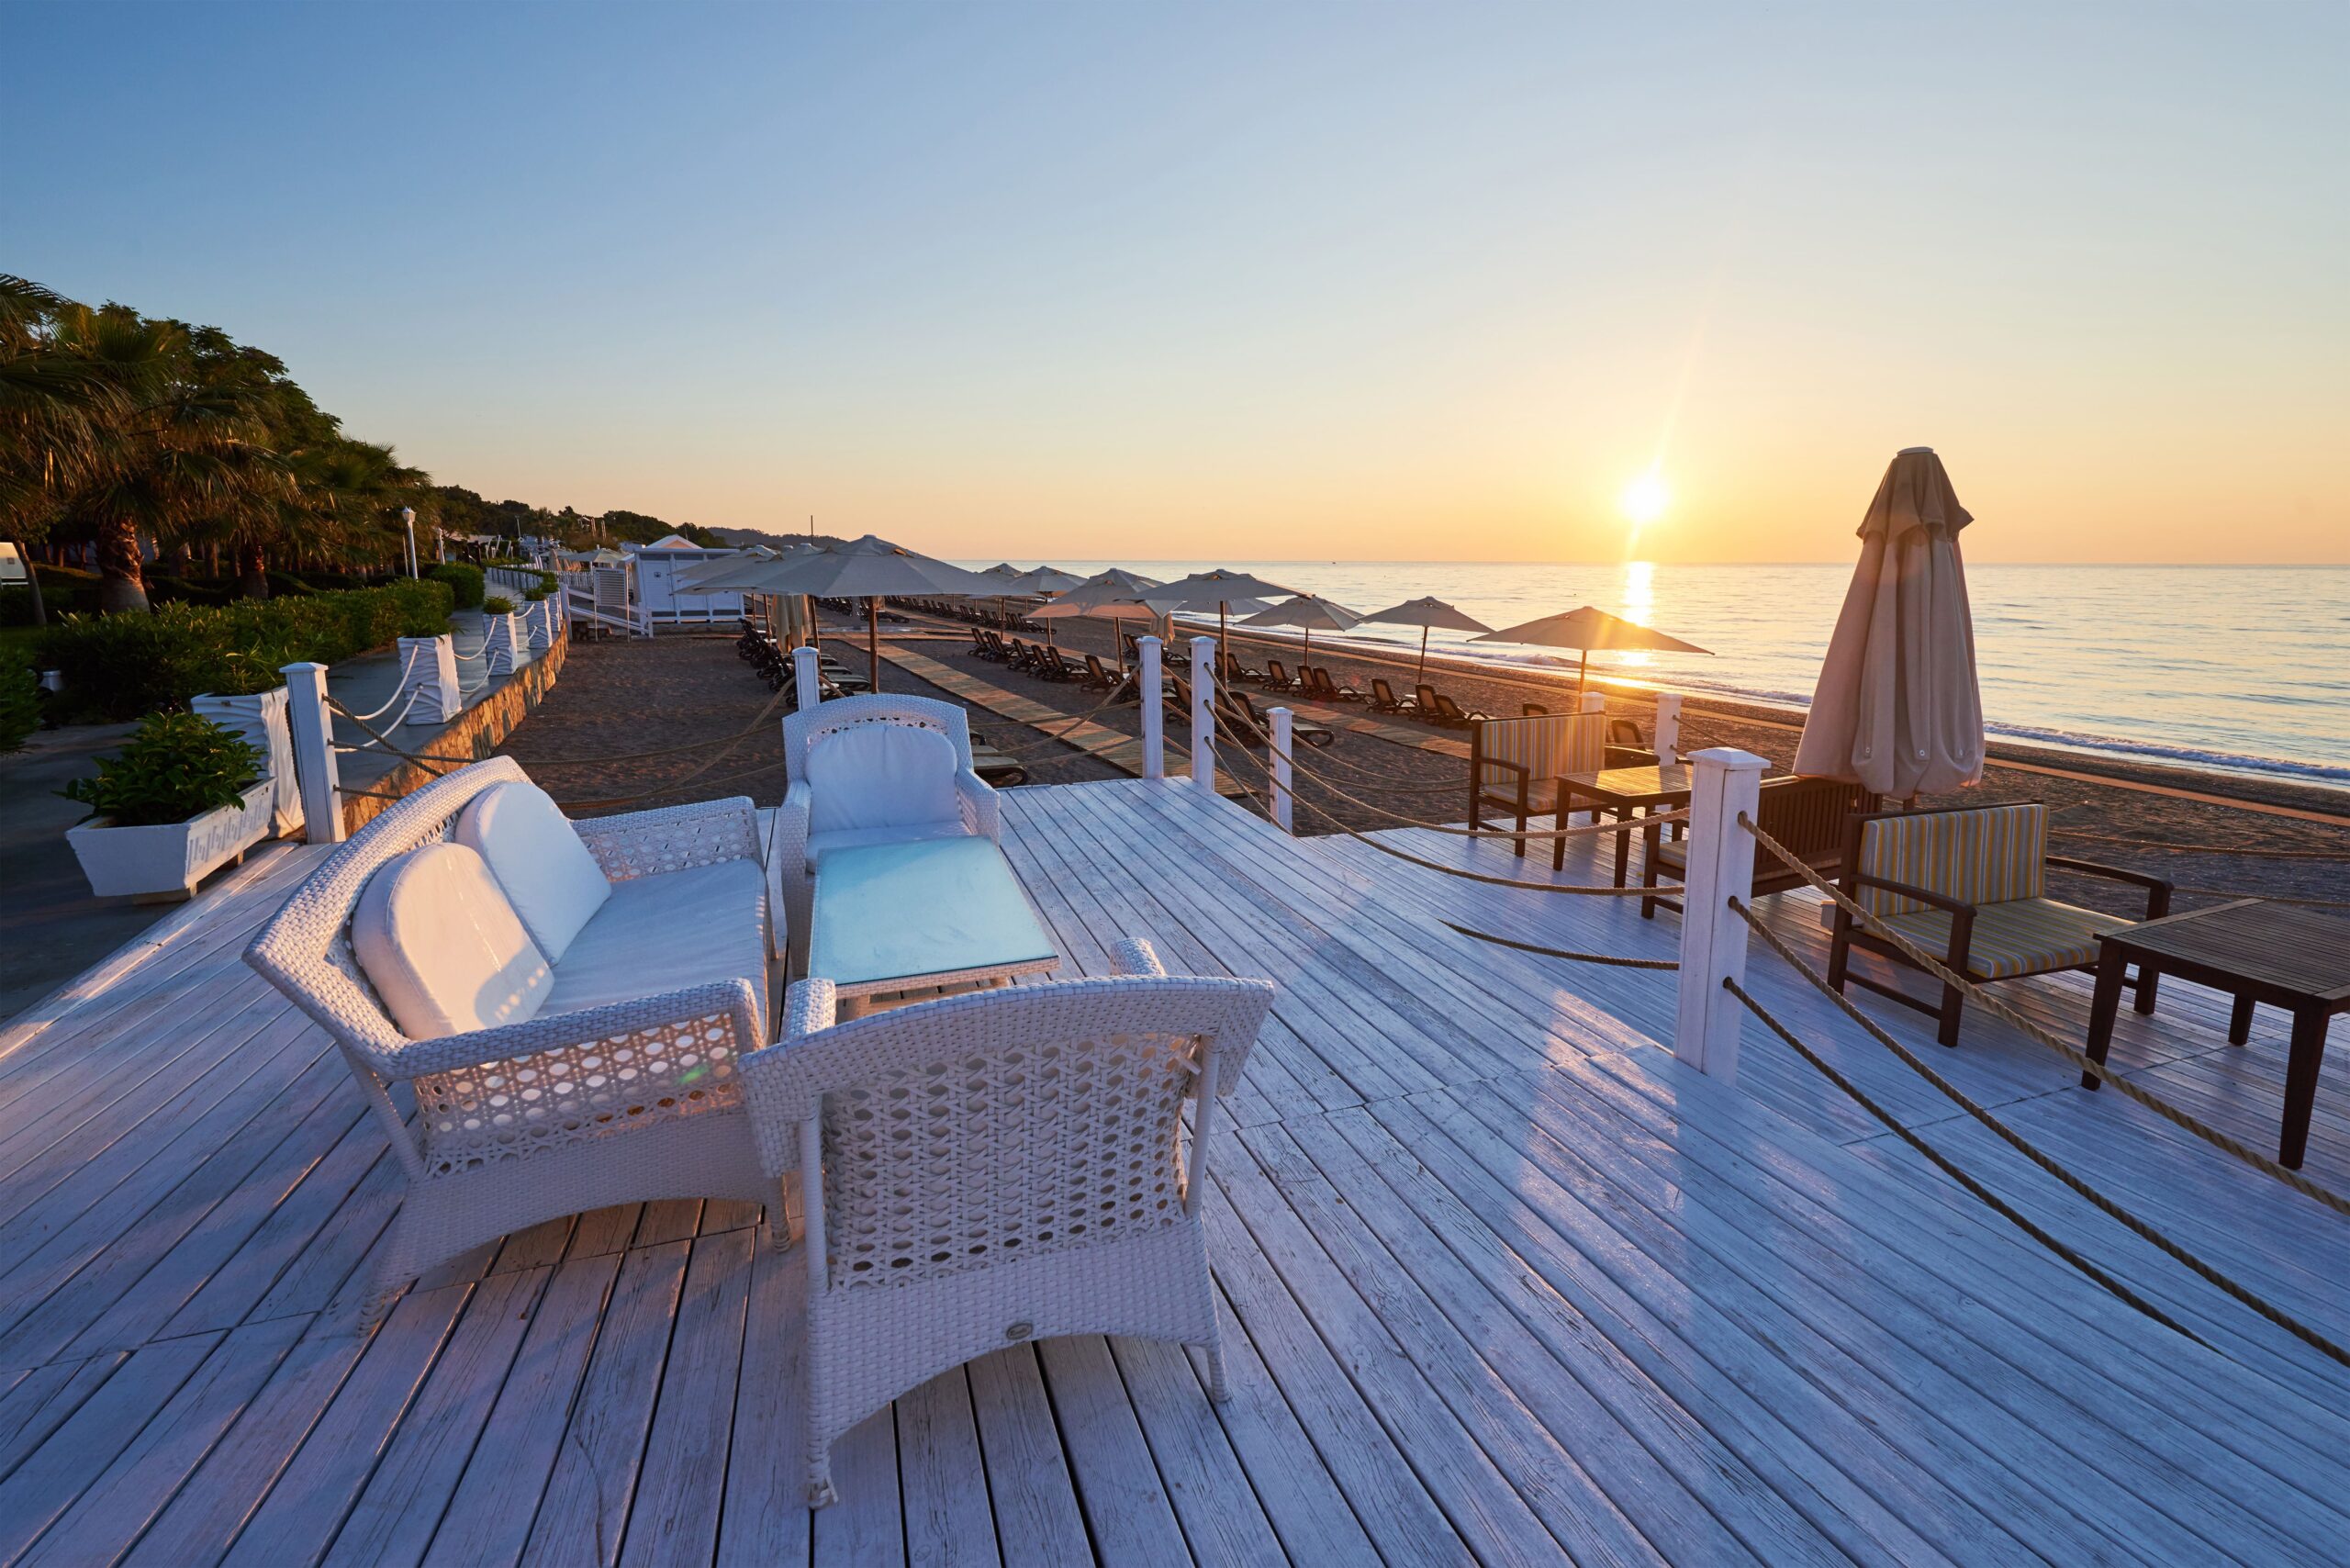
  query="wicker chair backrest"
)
[
  {"x": 804, "y": 728},
  {"x": 986, "y": 1129}
]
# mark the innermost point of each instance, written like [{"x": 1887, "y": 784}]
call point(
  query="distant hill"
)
[{"x": 763, "y": 536}]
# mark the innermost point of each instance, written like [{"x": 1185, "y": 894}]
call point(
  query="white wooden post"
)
[
  {"x": 1283, "y": 800},
  {"x": 1154, "y": 707},
  {"x": 1668, "y": 724},
  {"x": 1595, "y": 702},
  {"x": 1724, "y": 782},
  {"x": 313, "y": 727},
  {"x": 807, "y": 678},
  {"x": 1203, "y": 715},
  {"x": 429, "y": 667}
]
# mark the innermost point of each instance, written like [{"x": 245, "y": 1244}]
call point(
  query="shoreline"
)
[{"x": 2292, "y": 797}]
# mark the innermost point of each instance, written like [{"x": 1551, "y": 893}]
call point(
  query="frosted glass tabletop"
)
[{"x": 889, "y": 916}]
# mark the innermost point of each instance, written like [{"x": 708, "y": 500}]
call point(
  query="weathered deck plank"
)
[{"x": 1501, "y": 1280}]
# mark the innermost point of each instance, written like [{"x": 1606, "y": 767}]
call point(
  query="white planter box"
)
[{"x": 170, "y": 858}]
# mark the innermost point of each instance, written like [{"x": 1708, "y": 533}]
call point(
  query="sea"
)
[{"x": 2225, "y": 670}]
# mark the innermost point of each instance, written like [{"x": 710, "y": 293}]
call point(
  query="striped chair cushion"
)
[
  {"x": 2021, "y": 937},
  {"x": 1545, "y": 744},
  {"x": 1987, "y": 855}
]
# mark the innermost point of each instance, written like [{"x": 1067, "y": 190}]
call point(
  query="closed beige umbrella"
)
[{"x": 1897, "y": 708}]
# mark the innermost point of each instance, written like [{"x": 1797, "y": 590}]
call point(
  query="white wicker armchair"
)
[
  {"x": 631, "y": 1100},
  {"x": 996, "y": 1168},
  {"x": 790, "y": 883}
]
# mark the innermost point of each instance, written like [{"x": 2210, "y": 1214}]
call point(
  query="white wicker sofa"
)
[
  {"x": 996, "y": 1168},
  {"x": 895, "y": 792},
  {"x": 620, "y": 1084}
]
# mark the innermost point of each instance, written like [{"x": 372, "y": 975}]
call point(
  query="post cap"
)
[{"x": 1729, "y": 758}]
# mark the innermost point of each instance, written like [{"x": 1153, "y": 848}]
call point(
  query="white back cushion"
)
[
  {"x": 442, "y": 947},
  {"x": 549, "y": 876},
  {"x": 881, "y": 775}
]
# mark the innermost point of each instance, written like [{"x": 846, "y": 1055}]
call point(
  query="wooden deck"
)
[{"x": 1505, "y": 1282}]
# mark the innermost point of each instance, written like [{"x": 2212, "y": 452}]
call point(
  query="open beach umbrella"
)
[
  {"x": 1307, "y": 612},
  {"x": 1111, "y": 595},
  {"x": 1583, "y": 630},
  {"x": 870, "y": 569},
  {"x": 1898, "y": 709},
  {"x": 1045, "y": 579},
  {"x": 1222, "y": 588},
  {"x": 1426, "y": 613}
]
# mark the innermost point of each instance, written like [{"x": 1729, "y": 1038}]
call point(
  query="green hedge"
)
[
  {"x": 465, "y": 580},
  {"x": 20, "y": 697},
  {"x": 120, "y": 667}
]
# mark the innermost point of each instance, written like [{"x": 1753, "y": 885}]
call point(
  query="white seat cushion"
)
[
  {"x": 881, "y": 775},
  {"x": 549, "y": 876},
  {"x": 665, "y": 933},
  {"x": 855, "y": 837},
  {"x": 443, "y": 948}
]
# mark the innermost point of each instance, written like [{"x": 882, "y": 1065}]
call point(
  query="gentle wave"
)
[{"x": 2225, "y": 670}]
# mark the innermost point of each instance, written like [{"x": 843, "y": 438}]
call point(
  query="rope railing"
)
[
  {"x": 1612, "y": 960},
  {"x": 2240, "y": 1293},
  {"x": 414, "y": 694},
  {"x": 2008, "y": 1013},
  {"x": 1406, "y": 855},
  {"x": 1950, "y": 1168},
  {"x": 407, "y": 667}
]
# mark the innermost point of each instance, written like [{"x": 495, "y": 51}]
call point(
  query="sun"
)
[{"x": 1644, "y": 499}]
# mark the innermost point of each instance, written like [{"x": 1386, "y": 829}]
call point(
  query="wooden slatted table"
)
[{"x": 2298, "y": 959}]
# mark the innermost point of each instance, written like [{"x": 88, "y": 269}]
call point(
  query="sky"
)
[{"x": 1255, "y": 282}]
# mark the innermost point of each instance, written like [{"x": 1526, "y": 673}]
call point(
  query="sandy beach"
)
[{"x": 685, "y": 690}]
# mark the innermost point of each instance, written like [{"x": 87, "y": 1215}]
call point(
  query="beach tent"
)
[
  {"x": 1583, "y": 630},
  {"x": 1897, "y": 708},
  {"x": 1427, "y": 613},
  {"x": 1307, "y": 612},
  {"x": 871, "y": 568}
]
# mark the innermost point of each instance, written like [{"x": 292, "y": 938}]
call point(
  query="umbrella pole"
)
[
  {"x": 1424, "y": 656},
  {"x": 873, "y": 642},
  {"x": 1583, "y": 672},
  {"x": 1118, "y": 639},
  {"x": 1306, "y": 658}
]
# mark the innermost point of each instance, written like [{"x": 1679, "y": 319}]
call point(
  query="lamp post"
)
[{"x": 407, "y": 520}]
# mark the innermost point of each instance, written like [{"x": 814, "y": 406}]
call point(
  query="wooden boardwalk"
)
[{"x": 1504, "y": 1283}]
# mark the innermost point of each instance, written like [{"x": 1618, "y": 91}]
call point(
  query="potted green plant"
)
[{"x": 181, "y": 799}]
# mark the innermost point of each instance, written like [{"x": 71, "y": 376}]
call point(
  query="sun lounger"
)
[
  {"x": 1278, "y": 678},
  {"x": 1320, "y": 686},
  {"x": 1443, "y": 710},
  {"x": 1258, "y": 728},
  {"x": 1098, "y": 677},
  {"x": 1384, "y": 700}
]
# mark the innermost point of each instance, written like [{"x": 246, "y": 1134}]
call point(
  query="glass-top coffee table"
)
[{"x": 940, "y": 912}]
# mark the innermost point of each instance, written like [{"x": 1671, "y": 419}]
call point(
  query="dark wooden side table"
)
[
  {"x": 1622, "y": 790},
  {"x": 2295, "y": 959}
]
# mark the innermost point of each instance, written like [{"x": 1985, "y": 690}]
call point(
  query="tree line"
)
[{"x": 121, "y": 433}]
